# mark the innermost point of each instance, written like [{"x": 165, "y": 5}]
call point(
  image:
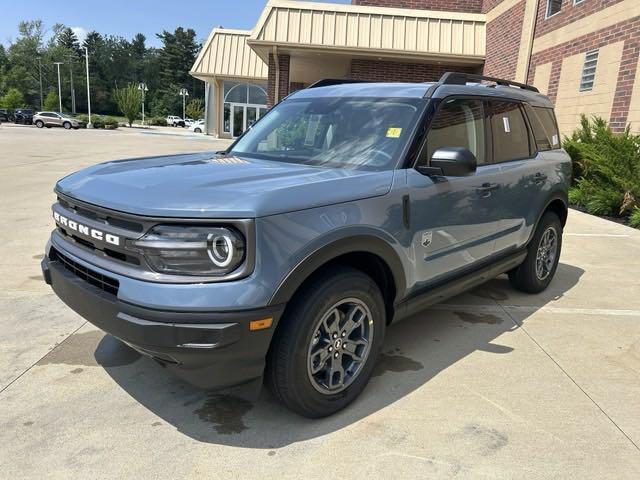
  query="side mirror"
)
[{"x": 451, "y": 162}]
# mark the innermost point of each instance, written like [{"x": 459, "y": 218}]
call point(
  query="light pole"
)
[
  {"x": 183, "y": 92},
  {"x": 86, "y": 53},
  {"x": 73, "y": 92},
  {"x": 59, "y": 88},
  {"x": 143, "y": 88}
]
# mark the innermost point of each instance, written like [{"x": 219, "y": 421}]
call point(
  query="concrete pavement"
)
[{"x": 492, "y": 384}]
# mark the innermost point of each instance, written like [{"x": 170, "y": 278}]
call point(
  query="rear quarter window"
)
[
  {"x": 545, "y": 128},
  {"x": 509, "y": 132}
]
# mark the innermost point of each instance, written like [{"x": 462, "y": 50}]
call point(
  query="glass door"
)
[{"x": 239, "y": 120}]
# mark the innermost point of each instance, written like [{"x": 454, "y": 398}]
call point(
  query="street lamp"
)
[
  {"x": 183, "y": 92},
  {"x": 86, "y": 53},
  {"x": 143, "y": 88},
  {"x": 59, "y": 88}
]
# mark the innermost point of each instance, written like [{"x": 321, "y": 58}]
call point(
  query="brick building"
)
[{"x": 582, "y": 53}]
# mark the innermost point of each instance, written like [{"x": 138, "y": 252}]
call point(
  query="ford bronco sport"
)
[{"x": 348, "y": 206}]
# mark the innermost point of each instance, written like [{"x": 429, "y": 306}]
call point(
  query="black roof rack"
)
[
  {"x": 327, "y": 82},
  {"x": 456, "y": 78}
]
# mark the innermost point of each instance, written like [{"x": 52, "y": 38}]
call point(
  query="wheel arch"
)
[{"x": 367, "y": 253}]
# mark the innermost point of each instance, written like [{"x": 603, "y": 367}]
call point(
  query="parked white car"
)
[
  {"x": 174, "y": 121},
  {"x": 188, "y": 121},
  {"x": 197, "y": 126}
]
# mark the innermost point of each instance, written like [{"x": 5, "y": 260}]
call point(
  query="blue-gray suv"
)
[{"x": 348, "y": 206}]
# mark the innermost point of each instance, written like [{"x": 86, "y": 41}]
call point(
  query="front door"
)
[
  {"x": 454, "y": 219},
  {"x": 244, "y": 116}
]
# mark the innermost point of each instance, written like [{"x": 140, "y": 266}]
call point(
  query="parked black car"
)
[{"x": 23, "y": 116}]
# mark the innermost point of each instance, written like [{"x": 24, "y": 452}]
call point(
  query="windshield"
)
[{"x": 333, "y": 132}]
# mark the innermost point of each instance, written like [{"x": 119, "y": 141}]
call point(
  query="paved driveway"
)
[{"x": 493, "y": 383}]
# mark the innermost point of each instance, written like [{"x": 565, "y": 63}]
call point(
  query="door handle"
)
[
  {"x": 540, "y": 177},
  {"x": 486, "y": 188}
]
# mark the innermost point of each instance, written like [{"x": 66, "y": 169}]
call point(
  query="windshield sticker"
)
[
  {"x": 507, "y": 127},
  {"x": 394, "y": 132}
]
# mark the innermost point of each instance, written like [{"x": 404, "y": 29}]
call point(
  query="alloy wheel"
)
[
  {"x": 546, "y": 253},
  {"x": 340, "y": 346}
]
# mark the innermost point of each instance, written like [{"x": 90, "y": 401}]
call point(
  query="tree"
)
[
  {"x": 129, "y": 100},
  {"x": 195, "y": 109},
  {"x": 12, "y": 99},
  {"x": 68, "y": 39},
  {"x": 51, "y": 101}
]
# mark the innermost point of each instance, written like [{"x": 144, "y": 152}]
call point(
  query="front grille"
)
[{"x": 103, "y": 282}]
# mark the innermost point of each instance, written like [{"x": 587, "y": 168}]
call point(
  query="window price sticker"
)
[{"x": 394, "y": 132}]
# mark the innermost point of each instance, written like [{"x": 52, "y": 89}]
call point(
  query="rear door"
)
[
  {"x": 454, "y": 219},
  {"x": 524, "y": 172}
]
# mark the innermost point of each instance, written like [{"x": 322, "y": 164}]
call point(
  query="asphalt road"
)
[{"x": 492, "y": 384}]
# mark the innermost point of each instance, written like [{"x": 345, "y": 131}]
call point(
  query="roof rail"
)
[
  {"x": 327, "y": 82},
  {"x": 456, "y": 78}
]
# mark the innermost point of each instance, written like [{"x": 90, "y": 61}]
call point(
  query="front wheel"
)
[
  {"x": 543, "y": 254},
  {"x": 197, "y": 130},
  {"x": 327, "y": 343},
  {"x": 66, "y": 125}
]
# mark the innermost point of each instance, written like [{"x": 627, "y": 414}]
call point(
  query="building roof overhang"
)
[
  {"x": 409, "y": 34},
  {"x": 227, "y": 54}
]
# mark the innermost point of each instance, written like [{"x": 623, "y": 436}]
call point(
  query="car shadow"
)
[{"x": 416, "y": 350}]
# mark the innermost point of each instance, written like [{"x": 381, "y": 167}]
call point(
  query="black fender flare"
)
[
  {"x": 554, "y": 196},
  {"x": 353, "y": 244}
]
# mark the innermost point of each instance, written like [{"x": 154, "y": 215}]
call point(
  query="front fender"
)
[{"x": 335, "y": 244}]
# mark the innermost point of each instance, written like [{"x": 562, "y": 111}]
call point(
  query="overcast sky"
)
[{"x": 126, "y": 18}]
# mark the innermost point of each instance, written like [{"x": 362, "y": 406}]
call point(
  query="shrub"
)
[
  {"x": 111, "y": 123},
  {"x": 129, "y": 100},
  {"x": 158, "y": 121},
  {"x": 606, "y": 168},
  {"x": 97, "y": 121},
  {"x": 634, "y": 218},
  {"x": 82, "y": 118}
]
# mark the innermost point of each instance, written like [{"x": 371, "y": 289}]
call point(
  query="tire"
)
[
  {"x": 299, "y": 345},
  {"x": 67, "y": 125},
  {"x": 39, "y": 123},
  {"x": 197, "y": 130},
  {"x": 536, "y": 272}
]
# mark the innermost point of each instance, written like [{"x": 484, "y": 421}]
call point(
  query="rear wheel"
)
[
  {"x": 327, "y": 343},
  {"x": 39, "y": 123},
  {"x": 197, "y": 130},
  {"x": 543, "y": 254}
]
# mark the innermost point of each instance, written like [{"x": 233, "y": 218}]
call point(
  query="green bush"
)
[
  {"x": 606, "y": 168},
  {"x": 82, "y": 118},
  {"x": 111, "y": 123},
  {"x": 97, "y": 121},
  {"x": 158, "y": 121},
  {"x": 634, "y": 218}
]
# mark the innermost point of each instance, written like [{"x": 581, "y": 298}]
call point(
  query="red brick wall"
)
[
  {"x": 471, "y": 6},
  {"x": 283, "y": 87},
  {"x": 490, "y": 5},
  {"x": 568, "y": 13},
  {"x": 383, "y": 71},
  {"x": 503, "y": 43},
  {"x": 628, "y": 32}
]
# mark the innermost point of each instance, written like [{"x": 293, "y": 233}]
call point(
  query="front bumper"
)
[{"x": 212, "y": 350}]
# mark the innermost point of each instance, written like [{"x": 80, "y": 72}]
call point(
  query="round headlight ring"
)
[{"x": 220, "y": 249}]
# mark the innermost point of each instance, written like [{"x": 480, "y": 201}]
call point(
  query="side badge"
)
[{"x": 426, "y": 238}]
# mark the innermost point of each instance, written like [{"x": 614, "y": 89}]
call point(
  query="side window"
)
[
  {"x": 544, "y": 126},
  {"x": 510, "y": 134},
  {"x": 459, "y": 122}
]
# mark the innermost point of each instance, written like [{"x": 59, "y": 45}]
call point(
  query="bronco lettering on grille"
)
[{"x": 90, "y": 232}]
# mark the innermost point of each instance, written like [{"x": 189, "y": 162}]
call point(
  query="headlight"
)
[{"x": 187, "y": 250}]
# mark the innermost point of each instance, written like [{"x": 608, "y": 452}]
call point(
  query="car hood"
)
[{"x": 204, "y": 185}]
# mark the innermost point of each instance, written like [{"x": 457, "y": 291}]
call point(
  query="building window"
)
[
  {"x": 553, "y": 7},
  {"x": 589, "y": 71},
  {"x": 578, "y": 2}
]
